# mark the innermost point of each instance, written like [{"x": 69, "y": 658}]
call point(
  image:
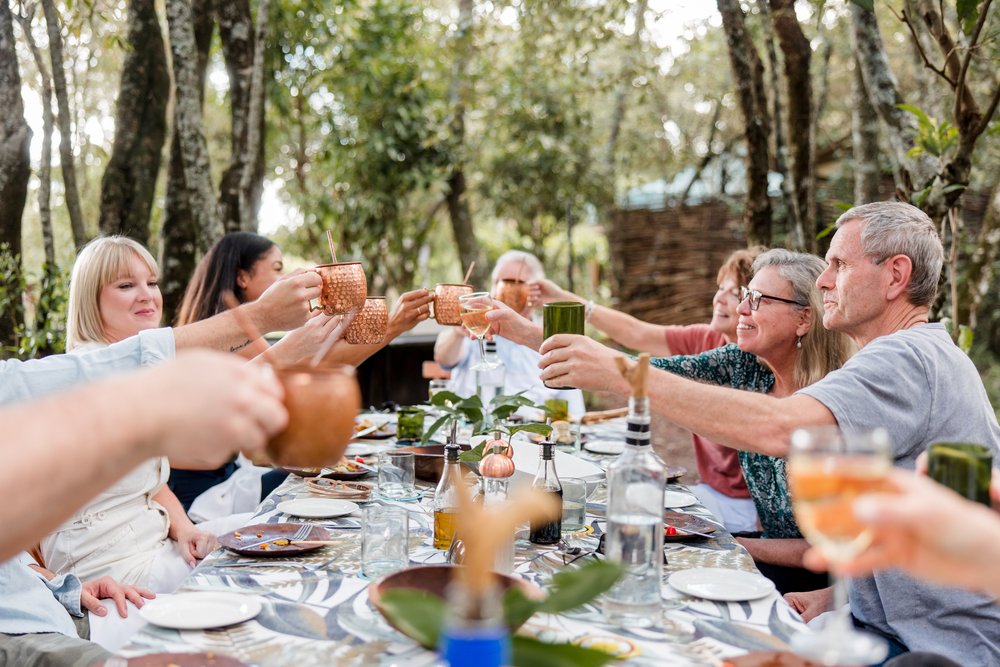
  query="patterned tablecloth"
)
[{"x": 316, "y": 609}]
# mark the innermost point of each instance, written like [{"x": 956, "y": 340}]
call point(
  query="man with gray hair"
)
[{"x": 908, "y": 377}]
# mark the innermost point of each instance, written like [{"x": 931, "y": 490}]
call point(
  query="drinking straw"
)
[
  {"x": 329, "y": 239},
  {"x": 465, "y": 281},
  {"x": 257, "y": 343},
  {"x": 520, "y": 269}
]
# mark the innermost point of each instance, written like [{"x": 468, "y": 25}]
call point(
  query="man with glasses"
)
[{"x": 883, "y": 268}]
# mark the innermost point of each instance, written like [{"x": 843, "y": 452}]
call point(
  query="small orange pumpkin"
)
[{"x": 499, "y": 462}]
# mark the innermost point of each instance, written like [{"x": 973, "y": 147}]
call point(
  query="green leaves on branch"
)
[
  {"x": 471, "y": 409},
  {"x": 933, "y": 138}
]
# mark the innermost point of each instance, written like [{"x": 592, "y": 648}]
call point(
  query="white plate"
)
[
  {"x": 317, "y": 508},
  {"x": 604, "y": 446},
  {"x": 676, "y": 499},
  {"x": 716, "y": 583},
  {"x": 361, "y": 449},
  {"x": 200, "y": 610}
]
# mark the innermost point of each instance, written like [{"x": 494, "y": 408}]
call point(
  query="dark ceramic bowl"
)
[{"x": 434, "y": 579}]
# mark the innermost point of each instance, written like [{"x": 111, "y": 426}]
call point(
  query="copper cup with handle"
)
[
  {"x": 445, "y": 308},
  {"x": 322, "y": 403},
  {"x": 370, "y": 325},
  {"x": 344, "y": 287},
  {"x": 513, "y": 292}
]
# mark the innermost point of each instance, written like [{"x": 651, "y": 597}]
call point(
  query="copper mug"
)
[
  {"x": 445, "y": 307},
  {"x": 322, "y": 403},
  {"x": 514, "y": 293},
  {"x": 370, "y": 325},
  {"x": 344, "y": 287}
]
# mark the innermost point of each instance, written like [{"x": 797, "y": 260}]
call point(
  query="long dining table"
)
[{"x": 315, "y": 608}]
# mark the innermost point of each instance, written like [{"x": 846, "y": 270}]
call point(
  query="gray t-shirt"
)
[{"x": 920, "y": 387}]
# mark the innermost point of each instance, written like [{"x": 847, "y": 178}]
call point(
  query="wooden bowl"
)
[
  {"x": 428, "y": 461},
  {"x": 434, "y": 579}
]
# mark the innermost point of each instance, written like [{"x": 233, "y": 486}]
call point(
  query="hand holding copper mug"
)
[
  {"x": 344, "y": 287},
  {"x": 370, "y": 326}
]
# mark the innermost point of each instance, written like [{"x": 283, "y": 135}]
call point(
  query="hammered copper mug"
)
[
  {"x": 322, "y": 403},
  {"x": 445, "y": 307},
  {"x": 370, "y": 325},
  {"x": 514, "y": 293},
  {"x": 344, "y": 287}
]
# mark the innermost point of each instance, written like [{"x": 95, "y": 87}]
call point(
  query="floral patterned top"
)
[{"x": 765, "y": 475}]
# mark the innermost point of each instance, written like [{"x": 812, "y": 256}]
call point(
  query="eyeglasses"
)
[{"x": 756, "y": 296}]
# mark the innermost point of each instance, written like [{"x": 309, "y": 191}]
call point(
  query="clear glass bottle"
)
[
  {"x": 636, "y": 481},
  {"x": 491, "y": 376},
  {"x": 546, "y": 479},
  {"x": 446, "y": 498}
]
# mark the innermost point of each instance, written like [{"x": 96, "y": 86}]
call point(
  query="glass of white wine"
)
[
  {"x": 827, "y": 471},
  {"x": 473, "y": 308}
]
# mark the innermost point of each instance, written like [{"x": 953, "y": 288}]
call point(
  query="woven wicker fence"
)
[{"x": 664, "y": 263}]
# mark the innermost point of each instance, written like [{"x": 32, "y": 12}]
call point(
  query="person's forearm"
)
[
  {"x": 630, "y": 332},
  {"x": 220, "y": 332},
  {"x": 103, "y": 433},
  {"x": 448, "y": 346},
  {"x": 175, "y": 511},
  {"x": 740, "y": 419},
  {"x": 785, "y": 551}
]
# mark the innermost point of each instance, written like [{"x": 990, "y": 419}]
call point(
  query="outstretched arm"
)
[{"x": 60, "y": 451}]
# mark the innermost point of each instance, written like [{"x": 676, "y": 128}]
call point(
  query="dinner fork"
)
[{"x": 299, "y": 534}]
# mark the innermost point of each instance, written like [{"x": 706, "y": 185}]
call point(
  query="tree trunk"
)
[
  {"x": 798, "y": 82},
  {"x": 777, "y": 119},
  {"x": 621, "y": 94},
  {"x": 48, "y": 121},
  {"x": 71, "y": 194},
  {"x": 458, "y": 205},
  {"x": 977, "y": 275},
  {"x": 245, "y": 66},
  {"x": 129, "y": 182},
  {"x": 15, "y": 168},
  {"x": 748, "y": 76},
  {"x": 900, "y": 127},
  {"x": 864, "y": 141},
  {"x": 189, "y": 127},
  {"x": 179, "y": 242}
]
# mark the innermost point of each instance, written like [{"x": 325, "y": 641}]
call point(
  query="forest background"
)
[{"x": 429, "y": 133}]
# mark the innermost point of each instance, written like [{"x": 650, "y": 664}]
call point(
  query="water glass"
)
[
  {"x": 410, "y": 424},
  {"x": 384, "y": 541},
  {"x": 963, "y": 467},
  {"x": 396, "y": 475},
  {"x": 435, "y": 386},
  {"x": 574, "y": 516}
]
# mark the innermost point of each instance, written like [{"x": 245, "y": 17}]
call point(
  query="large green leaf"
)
[
  {"x": 474, "y": 455},
  {"x": 417, "y": 614},
  {"x": 540, "y": 429},
  {"x": 528, "y": 652},
  {"x": 865, "y": 4},
  {"x": 968, "y": 14},
  {"x": 576, "y": 586}
]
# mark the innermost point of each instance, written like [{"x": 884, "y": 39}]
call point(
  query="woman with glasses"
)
[
  {"x": 781, "y": 347},
  {"x": 721, "y": 487}
]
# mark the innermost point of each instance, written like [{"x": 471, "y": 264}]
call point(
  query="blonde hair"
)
[
  {"x": 822, "y": 350},
  {"x": 100, "y": 263}
]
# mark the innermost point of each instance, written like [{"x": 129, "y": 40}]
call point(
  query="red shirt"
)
[{"x": 718, "y": 465}]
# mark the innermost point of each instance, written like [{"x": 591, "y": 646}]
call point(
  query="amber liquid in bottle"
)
[{"x": 444, "y": 528}]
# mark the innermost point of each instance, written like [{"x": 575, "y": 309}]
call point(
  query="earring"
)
[{"x": 798, "y": 343}]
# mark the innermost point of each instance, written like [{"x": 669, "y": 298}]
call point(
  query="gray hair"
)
[
  {"x": 822, "y": 350},
  {"x": 897, "y": 228},
  {"x": 534, "y": 267}
]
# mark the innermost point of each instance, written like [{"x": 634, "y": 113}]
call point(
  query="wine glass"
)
[
  {"x": 473, "y": 308},
  {"x": 827, "y": 471}
]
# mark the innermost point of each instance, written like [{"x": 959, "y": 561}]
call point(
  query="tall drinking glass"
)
[
  {"x": 562, "y": 317},
  {"x": 827, "y": 471},
  {"x": 473, "y": 308}
]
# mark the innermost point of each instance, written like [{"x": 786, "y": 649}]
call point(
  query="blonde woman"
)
[{"x": 136, "y": 530}]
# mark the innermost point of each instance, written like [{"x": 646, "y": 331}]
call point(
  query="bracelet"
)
[{"x": 588, "y": 311}]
